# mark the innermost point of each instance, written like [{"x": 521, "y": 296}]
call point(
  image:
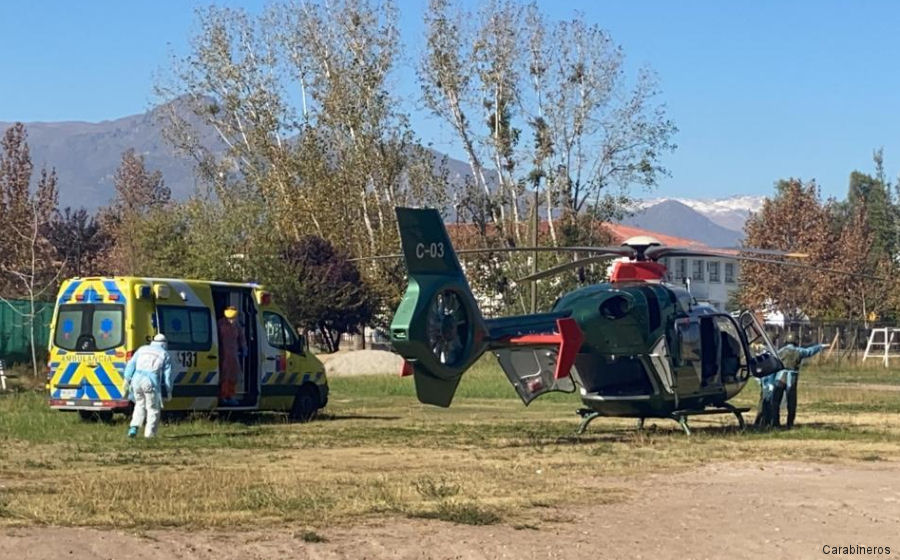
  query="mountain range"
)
[
  {"x": 86, "y": 156},
  {"x": 717, "y": 222}
]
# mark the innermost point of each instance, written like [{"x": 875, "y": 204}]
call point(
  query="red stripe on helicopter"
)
[
  {"x": 406, "y": 369},
  {"x": 569, "y": 338}
]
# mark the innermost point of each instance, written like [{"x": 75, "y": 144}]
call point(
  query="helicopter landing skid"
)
[
  {"x": 587, "y": 415},
  {"x": 680, "y": 416}
]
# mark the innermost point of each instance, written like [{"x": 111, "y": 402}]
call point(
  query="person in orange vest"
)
[{"x": 232, "y": 348}]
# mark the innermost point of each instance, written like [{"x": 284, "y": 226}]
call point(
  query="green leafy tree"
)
[
  {"x": 315, "y": 139},
  {"x": 322, "y": 290},
  {"x": 872, "y": 196}
]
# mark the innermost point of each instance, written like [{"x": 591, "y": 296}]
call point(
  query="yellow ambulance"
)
[{"x": 98, "y": 323}]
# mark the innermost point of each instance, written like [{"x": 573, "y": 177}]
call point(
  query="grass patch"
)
[
  {"x": 435, "y": 489},
  {"x": 465, "y": 513},
  {"x": 311, "y": 537},
  {"x": 377, "y": 452}
]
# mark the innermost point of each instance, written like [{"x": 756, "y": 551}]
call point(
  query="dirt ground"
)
[
  {"x": 361, "y": 362},
  {"x": 725, "y": 510}
]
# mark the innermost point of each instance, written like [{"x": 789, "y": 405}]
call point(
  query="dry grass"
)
[{"x": 378, "y": 452}]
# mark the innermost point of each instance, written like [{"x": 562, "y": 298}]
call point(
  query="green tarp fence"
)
[{"x": 15, "y": 330}]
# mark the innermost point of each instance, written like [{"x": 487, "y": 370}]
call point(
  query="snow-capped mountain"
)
[
  {"x": 730, "y": 213},
  {"x": 680, "y": 220}
]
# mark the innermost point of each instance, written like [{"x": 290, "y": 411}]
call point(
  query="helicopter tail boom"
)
[{"x": 437, "y": 328}]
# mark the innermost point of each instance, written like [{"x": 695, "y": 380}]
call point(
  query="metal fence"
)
[
  {"x": 15, "y": 330},
  {"x": 847, "y": 338}
]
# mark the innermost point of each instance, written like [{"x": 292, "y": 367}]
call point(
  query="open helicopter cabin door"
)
[
  {"x": 536, "y": 364},
  {"x": 764, "y": 358},
  {"x": 530, "y": 370},
  {"x": 710, "y": 353}
]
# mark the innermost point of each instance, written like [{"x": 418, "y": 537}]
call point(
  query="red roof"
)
[{"x": 621, "y": 233}]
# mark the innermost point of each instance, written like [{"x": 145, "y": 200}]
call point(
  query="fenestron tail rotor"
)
[{"x": 448, "y": 327}]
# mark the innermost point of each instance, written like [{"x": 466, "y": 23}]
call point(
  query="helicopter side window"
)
[
  {"x": 730, "y": 348},
  {"x": 689, "y": 341},
  {"x": 709, "y": 344}
]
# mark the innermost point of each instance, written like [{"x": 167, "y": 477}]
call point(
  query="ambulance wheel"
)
[
  {"x": 306, "y": 404},
  {"x": 91, "y": 416}
]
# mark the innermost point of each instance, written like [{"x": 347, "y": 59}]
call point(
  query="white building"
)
[{"x": 712, "y": 279}]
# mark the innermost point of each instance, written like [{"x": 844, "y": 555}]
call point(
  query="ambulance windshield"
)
[{"x": 89, "y": 327}]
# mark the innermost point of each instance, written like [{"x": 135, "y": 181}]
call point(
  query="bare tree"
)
[
  {"x": 447, "y": 89},
  {"x": 140, "y": 195},
  {"x": 28, "y": 269},
  {"x": 300, "y": 97},
  {"x": 595, "y": 136},
  {"x": 33, "y": 276}
]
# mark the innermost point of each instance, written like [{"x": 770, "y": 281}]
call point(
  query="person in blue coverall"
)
[
  {"x": 148, "y": 381},
  {"x": 783, "y": 384}
]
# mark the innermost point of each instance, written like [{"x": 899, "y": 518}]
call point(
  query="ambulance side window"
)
[
  {"x": 186, "y": 328},
  {"x": 278, "y": 332},
  {"x": 274, "y": 330}
]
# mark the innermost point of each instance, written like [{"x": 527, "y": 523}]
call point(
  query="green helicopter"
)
[{"x": 634, "y": 347}]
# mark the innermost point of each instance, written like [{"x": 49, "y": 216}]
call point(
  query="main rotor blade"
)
[
  {"x": 660, "y": 252},
  {"x": 810, "y": 267},
  {"x": 655, "y": 253},
  {"x": 615, "y": 251},
  {"x": 566, "y": 266},
  {"x": 758, "y": 251}
]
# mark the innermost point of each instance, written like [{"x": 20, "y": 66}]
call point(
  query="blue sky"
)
[{"x": 759, "y": 90}]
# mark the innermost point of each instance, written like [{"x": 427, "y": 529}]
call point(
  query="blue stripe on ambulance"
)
[
  {"x": 266, "y": 376},
  {"x": 111, "y": 387},
  {"x": 110, "y": 286},
  {"x": 180, "y": 376},
  {"x": 67, "y": 375},
  {"x": 209, "y": 377},
  {"x": 293, "y": 378},
  {"x": 68, "y": 293},
  {"x": 194, "y": 378},
  {"x": 90, "y": 392},
  {"x": 91, "y": 296}
]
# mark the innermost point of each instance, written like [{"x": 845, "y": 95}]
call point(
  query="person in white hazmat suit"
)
[{"x": 148, "y": 381}]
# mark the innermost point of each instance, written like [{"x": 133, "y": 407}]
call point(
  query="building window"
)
[
  {"x": 729, "y": 273},
  {"x": 714, "y": 271},
  {"x": 697, "y": 271},
  {"x": 681, "y": 269}
]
